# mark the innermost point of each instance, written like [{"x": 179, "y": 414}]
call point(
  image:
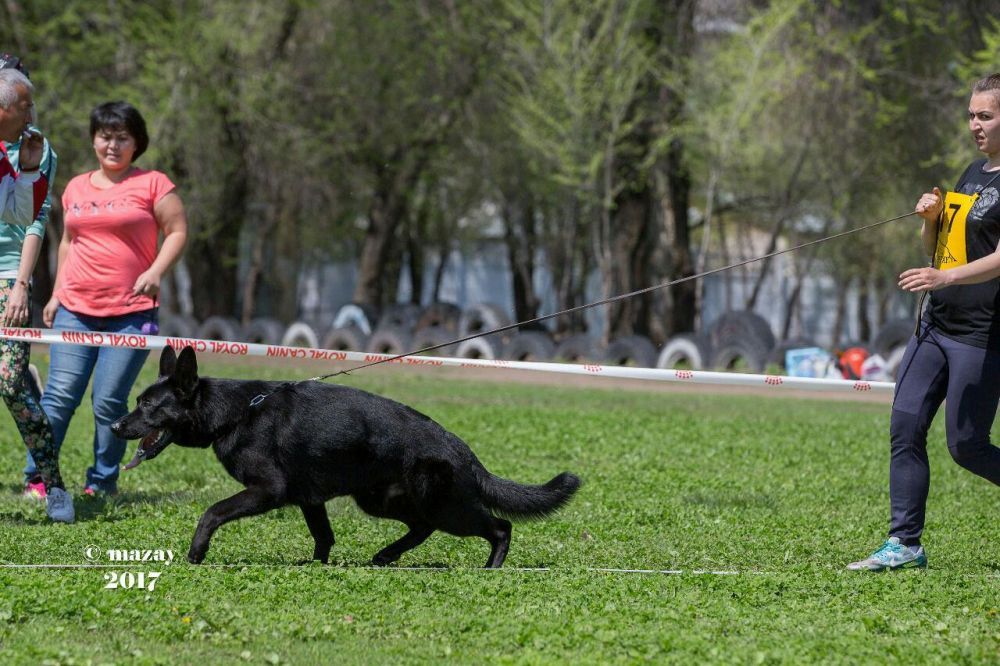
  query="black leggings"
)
[{"x": 936, "y": 368}]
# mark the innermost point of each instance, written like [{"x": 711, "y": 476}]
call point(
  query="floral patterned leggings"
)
[{"x": 23, "y": 403}]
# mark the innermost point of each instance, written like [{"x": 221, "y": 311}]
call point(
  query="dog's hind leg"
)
[
  {"x": 499, "y": 538},
  {"x": 319, "y": 527},
  {"x": 249, "y": 502},
  {"x": 463, "y": 518},
  {"x": 416, "y": 536}
]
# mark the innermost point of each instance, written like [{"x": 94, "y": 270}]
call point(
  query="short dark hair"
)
[
  {"x": 117, "y": 116},
  {"x": 990, "y": 84}
]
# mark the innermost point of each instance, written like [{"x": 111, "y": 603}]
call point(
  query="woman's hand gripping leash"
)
[{"x": 929, "y": 207}]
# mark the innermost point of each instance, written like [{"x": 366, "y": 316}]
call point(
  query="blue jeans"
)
[{"x": 114, "y": 370}]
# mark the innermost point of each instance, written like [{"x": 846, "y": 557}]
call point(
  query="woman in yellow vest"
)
[{"x": 954, "y": 357}]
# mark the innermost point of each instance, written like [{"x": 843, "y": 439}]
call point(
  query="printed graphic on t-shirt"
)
[
  {"x": 987, "y": 198},
  {"x": 96, "y": 208}
]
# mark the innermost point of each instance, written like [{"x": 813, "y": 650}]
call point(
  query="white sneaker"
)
[
  {"x": 892, "y": 555},
  {"x": 59, "y": 506}
]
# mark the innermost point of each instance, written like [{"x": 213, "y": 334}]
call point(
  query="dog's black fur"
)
[{"x": 309, "y": 442}]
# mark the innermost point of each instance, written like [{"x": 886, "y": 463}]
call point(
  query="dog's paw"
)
[
  {"x": 195, "y": 557},
  {"x": 382, "y": 560}
]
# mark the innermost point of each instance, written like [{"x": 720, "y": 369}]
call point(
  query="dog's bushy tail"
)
[{"x": 518, "y": 500}]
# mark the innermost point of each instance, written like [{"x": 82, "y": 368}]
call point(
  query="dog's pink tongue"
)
[{"x": 136, "y": 459}]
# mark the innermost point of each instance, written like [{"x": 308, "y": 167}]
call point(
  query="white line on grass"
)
[
  {"x": 672, "y": 572},
  {"x": 602, "y": 570}
]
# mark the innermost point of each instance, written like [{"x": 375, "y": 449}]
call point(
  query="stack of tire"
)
[{"x": 739, "y": 340}]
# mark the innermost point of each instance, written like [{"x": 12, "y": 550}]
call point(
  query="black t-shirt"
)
[{"x": 968, "y": 312}]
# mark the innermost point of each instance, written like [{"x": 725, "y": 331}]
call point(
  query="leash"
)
[{"x": 638, "y": 292}]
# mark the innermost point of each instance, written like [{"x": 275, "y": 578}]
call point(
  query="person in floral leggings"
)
[
  {"x": 27, "y": 412},
  {"x": 19, "y": 249}
]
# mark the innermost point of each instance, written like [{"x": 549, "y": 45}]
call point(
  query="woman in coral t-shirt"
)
[{"x": 108, "y": 280}]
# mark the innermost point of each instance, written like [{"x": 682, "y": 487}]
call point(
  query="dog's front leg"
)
[
  {"x": 319, "y": 527},
  {"x": 250, "y": 502}
]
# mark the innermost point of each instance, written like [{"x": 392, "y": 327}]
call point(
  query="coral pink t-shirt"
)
[{"x": 113, "y": 236}]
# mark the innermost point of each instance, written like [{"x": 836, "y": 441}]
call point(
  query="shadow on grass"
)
[
  {"x": 88, "y": 508},
  {"x": 107, "y": 507},
  {"x": 11, "y": 518}
]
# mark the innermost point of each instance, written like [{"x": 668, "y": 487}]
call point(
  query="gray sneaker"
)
[
  {"x": 892, "y": 555},
  {"x": 59, "y": 506}
]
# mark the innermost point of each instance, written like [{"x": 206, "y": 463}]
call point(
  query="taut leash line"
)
[{"x": 605, "y": 301}]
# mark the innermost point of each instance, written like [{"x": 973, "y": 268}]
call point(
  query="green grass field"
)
[{"x": 782, "y": 491}]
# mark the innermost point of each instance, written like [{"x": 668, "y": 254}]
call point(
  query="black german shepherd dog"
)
[{"x": 308, "y": 442}]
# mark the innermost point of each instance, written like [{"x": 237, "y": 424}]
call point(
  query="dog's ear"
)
[
  {"x": 168, "y": 360},
  {"x": 186, "y": 373}
]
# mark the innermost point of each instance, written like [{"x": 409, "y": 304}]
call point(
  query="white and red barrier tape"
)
[{"x": 137, "y": 341}]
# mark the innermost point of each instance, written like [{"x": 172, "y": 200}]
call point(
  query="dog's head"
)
[{"x": 163, "y": 409}]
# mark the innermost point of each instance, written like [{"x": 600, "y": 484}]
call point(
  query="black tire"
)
[
  {"x": 482, "y": 317},
  {"x": 777, "y": 355},
  {"x": 895, "y": 333},
  {"x": 401, "y": 316},
  {"x": 739, "y": 355},
  {"x": 580, "y": 348},
  {"x": 300, "y": 334},
  {"x": 685, "y": 351},
  {"x": 445, "y": 315},
  {"x": 529, "y": 346},
  {"x": 742, "y": 326},
  {"x": 264, "y": 330},
  {"x": 356, "y": 314},
  {"x": 634, "y": 350},
  {"x": 220, "y": 328},
  {"x": 433, "y": 336},
  {"x": 348, "y": 338},
  {"x": 173, "y": 325},
  {"x": 390, "y": 341},
  {"x": 479, "y": 348}
]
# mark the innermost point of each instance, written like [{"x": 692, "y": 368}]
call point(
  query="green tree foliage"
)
[
  {"x": 305, "y": 131},
  {"x": 577, "y": 71},
  {"x": 838, "y": 114}
]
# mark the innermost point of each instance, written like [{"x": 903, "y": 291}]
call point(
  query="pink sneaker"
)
[
  {"x": 95, "y": 492},
  {"x": 34, "y": 489}
]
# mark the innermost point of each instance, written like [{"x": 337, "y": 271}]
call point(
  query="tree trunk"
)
[
  {"x": 632, "y": 244},
  {"x": 676, "y": 27},
  {"x": 283, "y": 284},
  {"x": 285, "y": 280},
  {"x": 383, "y": 217},
  {"x": 521, "y": 242},
  {"x": 764, "y": 270},
  {"x": 792, "y": 304},
  {"x": 864, "y": 300},
  {"x": 840, "y": 317},
  {"x": 213, "y": 259},
  {"x": 566, "y": 253},
  {"x": 416, "y": 238},
  {"x": 683, "y": 295}
]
